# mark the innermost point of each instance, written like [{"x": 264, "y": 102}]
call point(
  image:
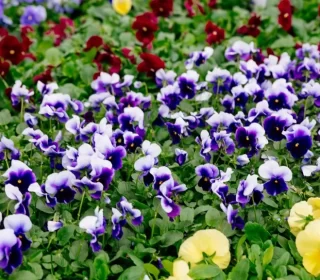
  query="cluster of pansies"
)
[{"x": 162, "y": 140}]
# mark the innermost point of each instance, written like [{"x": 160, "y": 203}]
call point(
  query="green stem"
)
[
  {"x": 81, "y": 203},
  {"x": 22, "y": 111},
  {"x": 6, "y": 158},
  {"x": 154, "y": 222}
]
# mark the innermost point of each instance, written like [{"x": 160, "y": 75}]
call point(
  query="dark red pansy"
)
[
  {"x": 192, "y": 7},
  {"x": 108, "y": 58},
  {"x": 162, "y": 8},
  {"x": 67, "y": 23},
  {"x": 212, "y": 3},
  {"x": 146, "y": 25},
  {"x": 3, "y": 32},
  {"x": 215, "y": 34},
  {"x": 270, "y": 52},
  {"x": 61, "y": 30},
  {"x": 11, "y": 49},
  {"x": 252, "y": 28},
  {"x": 285, "y": 16},
  {"x": 44, "y": 77},
  {"x": 127, "y": 53},
  {"x": 4, "y": 68},
  {"x": 26, "y": 41},
  {"x": 150, "y": 64},
  {"x": 93, "y": 42}
]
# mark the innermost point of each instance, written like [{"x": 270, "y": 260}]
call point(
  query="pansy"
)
[
  {"x": 170, "y": 96},
  {"x": 132, "y": 141},
  {"x": 249, "y": 190},
  {"x": 60, "y": 186},
  {"x": 210, "y": 242},
  {"x": 11, "y": 49},
  {"x": 261, "y": 109},
  {"x": 220, "y": 79},
  {"x": 22, "y": 207},
  {"x": 118, "y": 222},
  {"x": 307, "y": 50},
  {"x": 166, "y": 190},
  {"x": 94, "y": 225},
  {"x": 277, "y": 123},
  {"x": 240, "y": 96},
  {"x": 254, "y": 90},
  {"x": 164, "y": 78},
  {"x": 10, "y": 251},
  {"x": 180, "y": 270},
  {"x": 198, "y": 58},
  {"x": 160, "y": 175},
  {"x": 301, "y": 214},
  {"x": 309, "y": 170},
  {"x": 150, "y": 64},
  {"x": 187, "y": 83},
  {"x": 252, "y": 28},
  {"x": 162, "y": 8},
  {"x": 285, "y": 15},
  {"x": 129, "y": 117},
  {"x": 48, "y": 88},
  {"x": 240, "y": 50},
  {"x": 215, "y": 34},
  {"x": 243, "y": 160},
  {"x": 181, "y": 156},
  {"x": 311, "y": 88},
  {"x": 144, "y": 165},
  {"x": 251, "y": 137},
  {"x": 193, "y": 7},
  {"x": 122, "y": 7},
  {"x": 127, "y": 209},
  {"x": 20, "y": 224},
  {"x": 222, "y": 139},
  {"x": 206, "y": 172},
  {"x": 146, "y": 25},
  {"x": 176, "y": 130},
  {"x": 224, "y": 120},
  {"x": 308, "y": 244},
  {"x": 54, "y": 225},
  {"x": 113, "y": 154},
  {"x": 20, "y": 93},
  {"x": 307, "y": 69},
  {"x": 104, "y": 82},
  {"x": 299, "y": 140},
  {"x": 7, "y": 149},
  {"x": 232, "y": 216},
  {"x": 30, "y": 120},
  {"x": 276, "y": 177},
  {"x": 19, "y": 175},
  {"x": 33, "y": 15}
]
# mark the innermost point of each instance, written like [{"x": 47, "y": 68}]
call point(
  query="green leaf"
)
[
  {"x": 100, "y": 267},
  {"x": 53, "y": 57},
  {"x": 79, "y": 250},
  {"x": 133, "y": 273},
  {"x": 268, "y": 255},
  {"x": 86, "y": 73},
  {"x": 204, "y": 271},
  {"x": 64, "y": 234},
  {"x": 43, "y": 207},
  {"x": 283, "y": 42},
  {"x": 168, "y": 266},
  {"x": 23, "y": 275},
  {"x": 283, "y": 260},
  {"x": 72, "y": 90},
  {"x": 171, "y": 238},
  {"x": 187, "y": 214},
  {"x": 152, "y": 269},
  {"x": 116, "y": 269},
  {"x": 5, "y": 117},
  {"x": 239, "y": 250},
  {"x": 270, "y": 202},
  {"x": 213, "y": 218},
  {"x": 256, "y": 233},
  {"x": 240, "y": 271},
  {"x": 36, "y": 269}
]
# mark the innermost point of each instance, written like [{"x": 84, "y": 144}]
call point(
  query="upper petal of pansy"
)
[
  {"x": 152, "y": 149},
  {"x": 7, "y": 238},
  {"x": 207, "y": 170},
  {"x": 251, "y": 184},
  {"x": 19, "y": 223},
  {"x": 144, "y": 163},
  {"x": 266, "y": 170},
  {"x": 284, "y": 172},
  {"x": 98, "y": 164},
  {"x": 57, "y": 180},
  {"x": 88, "y": 223},
  {"x": 53, "y": 225},
  {"x": 73, "y": 125},
  {"x": 15, "y": 166}
]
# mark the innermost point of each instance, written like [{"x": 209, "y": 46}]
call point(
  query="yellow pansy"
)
[
  {"x": 211, "y": 242},
  {"x": 298, "y": 213},
  {"x": 122, "y": 7},
  {"x": 308, "y": 245},
  {"x": 315, "y": 203},
  {"x": 180, "y": 271}
]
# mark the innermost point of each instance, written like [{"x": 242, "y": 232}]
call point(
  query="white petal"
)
[{"x": 13, "y": 192}]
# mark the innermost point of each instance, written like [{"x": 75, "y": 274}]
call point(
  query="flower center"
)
[
  {"x": 20, "y": 236},
  {"x": 205, "y": 179},
  {"x": 61, "y": 190},
  {"x": 276, "y": 181},
  {"x": 161, "y": 9},
  {"x": 145, "y": 29},
  {"x": 277, "y": 128},
  {"x": 19, "y": 181},
  {"x": 296, "y": 145},
  {"x": 2, "y": 73},
  {"x": 160, "y": 183},
  {"x": 29, "y": 18},
  {"x": 238, "y": 99},
  {"x": 152, "y": 70},
  {"x": 119, "y": 140},
  {"x": 214, "y": 33},
  {"x": 175, "y": 133},
  {"x": 110, "y": 158},
  {"x": 286, "y": 15},
  {"x": 132, "y": 145},
  {"x": 247, "y": 138},
  {"x": 276, "y": 101},
  {"x": 12, "y": 52}
]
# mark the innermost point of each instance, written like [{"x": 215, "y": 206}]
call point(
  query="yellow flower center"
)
[
  {"x": 286, "y": 15},
  {"x": 277, "y": 128},
  {"x": 276, "y": 101},
  {"x": 145, "y": 29},
  {"x": 214, "y": 33},
  {"x": 161, "y": 9},
  {"x": 276, "y": 181},
  {"x": 296, "y": 145},
  {"x": 132, "y": 145},
  {"x": 119, "y": 140},
  {"x": 12, "y": 52},
  {"x": 19, "y": 181},
  {"x": 110, "y": 158},
  {"x": 247, "y": 138}
]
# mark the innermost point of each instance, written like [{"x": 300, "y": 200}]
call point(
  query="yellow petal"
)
[
  {"x": 296, "y": 219},
  {"x": 308, "y": 240},
  {"x": 210, "y": 242},
  {"x": 180, "y": 268},
  {"x": 122, "y": 7},
  {"x": 314, "y": 202},
  {"x": 316, "y": 214},
  {"x": 222, "y": 261},
  {"x": 190, "y": 252},
  {"x": 311, "y": 262}
]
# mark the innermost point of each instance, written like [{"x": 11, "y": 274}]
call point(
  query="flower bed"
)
[{"x": 164, "y": 140}]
